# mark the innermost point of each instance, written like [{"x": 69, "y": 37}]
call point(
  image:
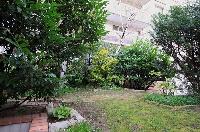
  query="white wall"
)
[
  {"x": 2, "y": 50},
  {"x": 120, "y": 13}
]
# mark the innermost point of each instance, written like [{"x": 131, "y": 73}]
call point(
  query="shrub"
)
[
  {"x": 173, "y": 100},
  {"x": 62, "y": 90},
  {"x": 178, "y": 34},
  {"x": 61, "y": 112},
  {"x": 102, "y": 69},
  {"x": 142, "y": 63},
  {"x": 76, "y": 72}
]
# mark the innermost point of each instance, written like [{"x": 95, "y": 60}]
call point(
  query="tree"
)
[
  {"x": 38, "y": 36},
  {"x": 142, "y": 63},
  {"x": 178, "y": 34}
]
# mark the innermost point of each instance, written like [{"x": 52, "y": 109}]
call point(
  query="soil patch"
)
[{"x": 92, "y": 113}]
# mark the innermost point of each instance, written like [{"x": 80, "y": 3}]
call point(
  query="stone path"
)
[{"x": 38, "y": 122}]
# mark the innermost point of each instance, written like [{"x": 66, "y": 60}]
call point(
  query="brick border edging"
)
[
  {"x": 39, "y": 123},
  {"x": 15, "y": 120}
]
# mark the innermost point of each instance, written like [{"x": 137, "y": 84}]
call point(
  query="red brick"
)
[
  {"x": 35, "y": 115},
  {"x": 13, "y": 120},
  {"x": 43, "y": 114},
  {"x": 39, "y": 119},
  {"x": 39, "y": 128},
  {"x": 39, "y": 115},
  {"x": 4, "y": 122},
  {"x": 39, "y": 123},
  {"x": 26, "y": 118}
]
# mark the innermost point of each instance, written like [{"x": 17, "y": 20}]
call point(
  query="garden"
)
[{"x": 57, "y": 73}]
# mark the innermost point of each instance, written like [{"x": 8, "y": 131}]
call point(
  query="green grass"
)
[
  {"x": 127, "y": 111},
  {"x": 140, "y": 116},
  {"x": 81, "y": 127},
  {"x": 173, "y": 100}
]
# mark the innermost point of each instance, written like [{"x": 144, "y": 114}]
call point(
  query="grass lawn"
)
[{"x": 126, "y": 111}]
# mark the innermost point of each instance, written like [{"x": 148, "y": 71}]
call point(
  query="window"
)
[
  {"x": 139, "y": 33},
  {"x": 121, "y": 29},
  {"x": 118, "y": 28}
]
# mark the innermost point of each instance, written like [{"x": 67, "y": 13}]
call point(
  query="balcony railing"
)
[
  {"x": 121, "y": 12},
  {"x": 120, "y": 8}
]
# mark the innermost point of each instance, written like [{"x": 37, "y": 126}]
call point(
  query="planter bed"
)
[{"x": 56, "y": 125}]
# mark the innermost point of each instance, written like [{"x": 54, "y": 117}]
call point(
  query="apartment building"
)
[{"x": 130, "y": 20}]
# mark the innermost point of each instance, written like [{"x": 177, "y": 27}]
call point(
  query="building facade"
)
[{"x": 129, "y": 20}]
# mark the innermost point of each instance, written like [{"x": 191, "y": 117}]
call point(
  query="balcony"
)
[
  {"x": 120, "y": 8},
  {"x": 136, "y": 24},
  {"x": 115, "y": 37},
  {"x": 135, "y": 3},
  {"x": 120, "y": 12}
]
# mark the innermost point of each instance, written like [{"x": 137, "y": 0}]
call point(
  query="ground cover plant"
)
[
  {"x": 80, "y": 127},
  {"x": 173, "y": 100},
  {"x": 127, "y": 111},
  {"x": 61, "y": 112}
]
